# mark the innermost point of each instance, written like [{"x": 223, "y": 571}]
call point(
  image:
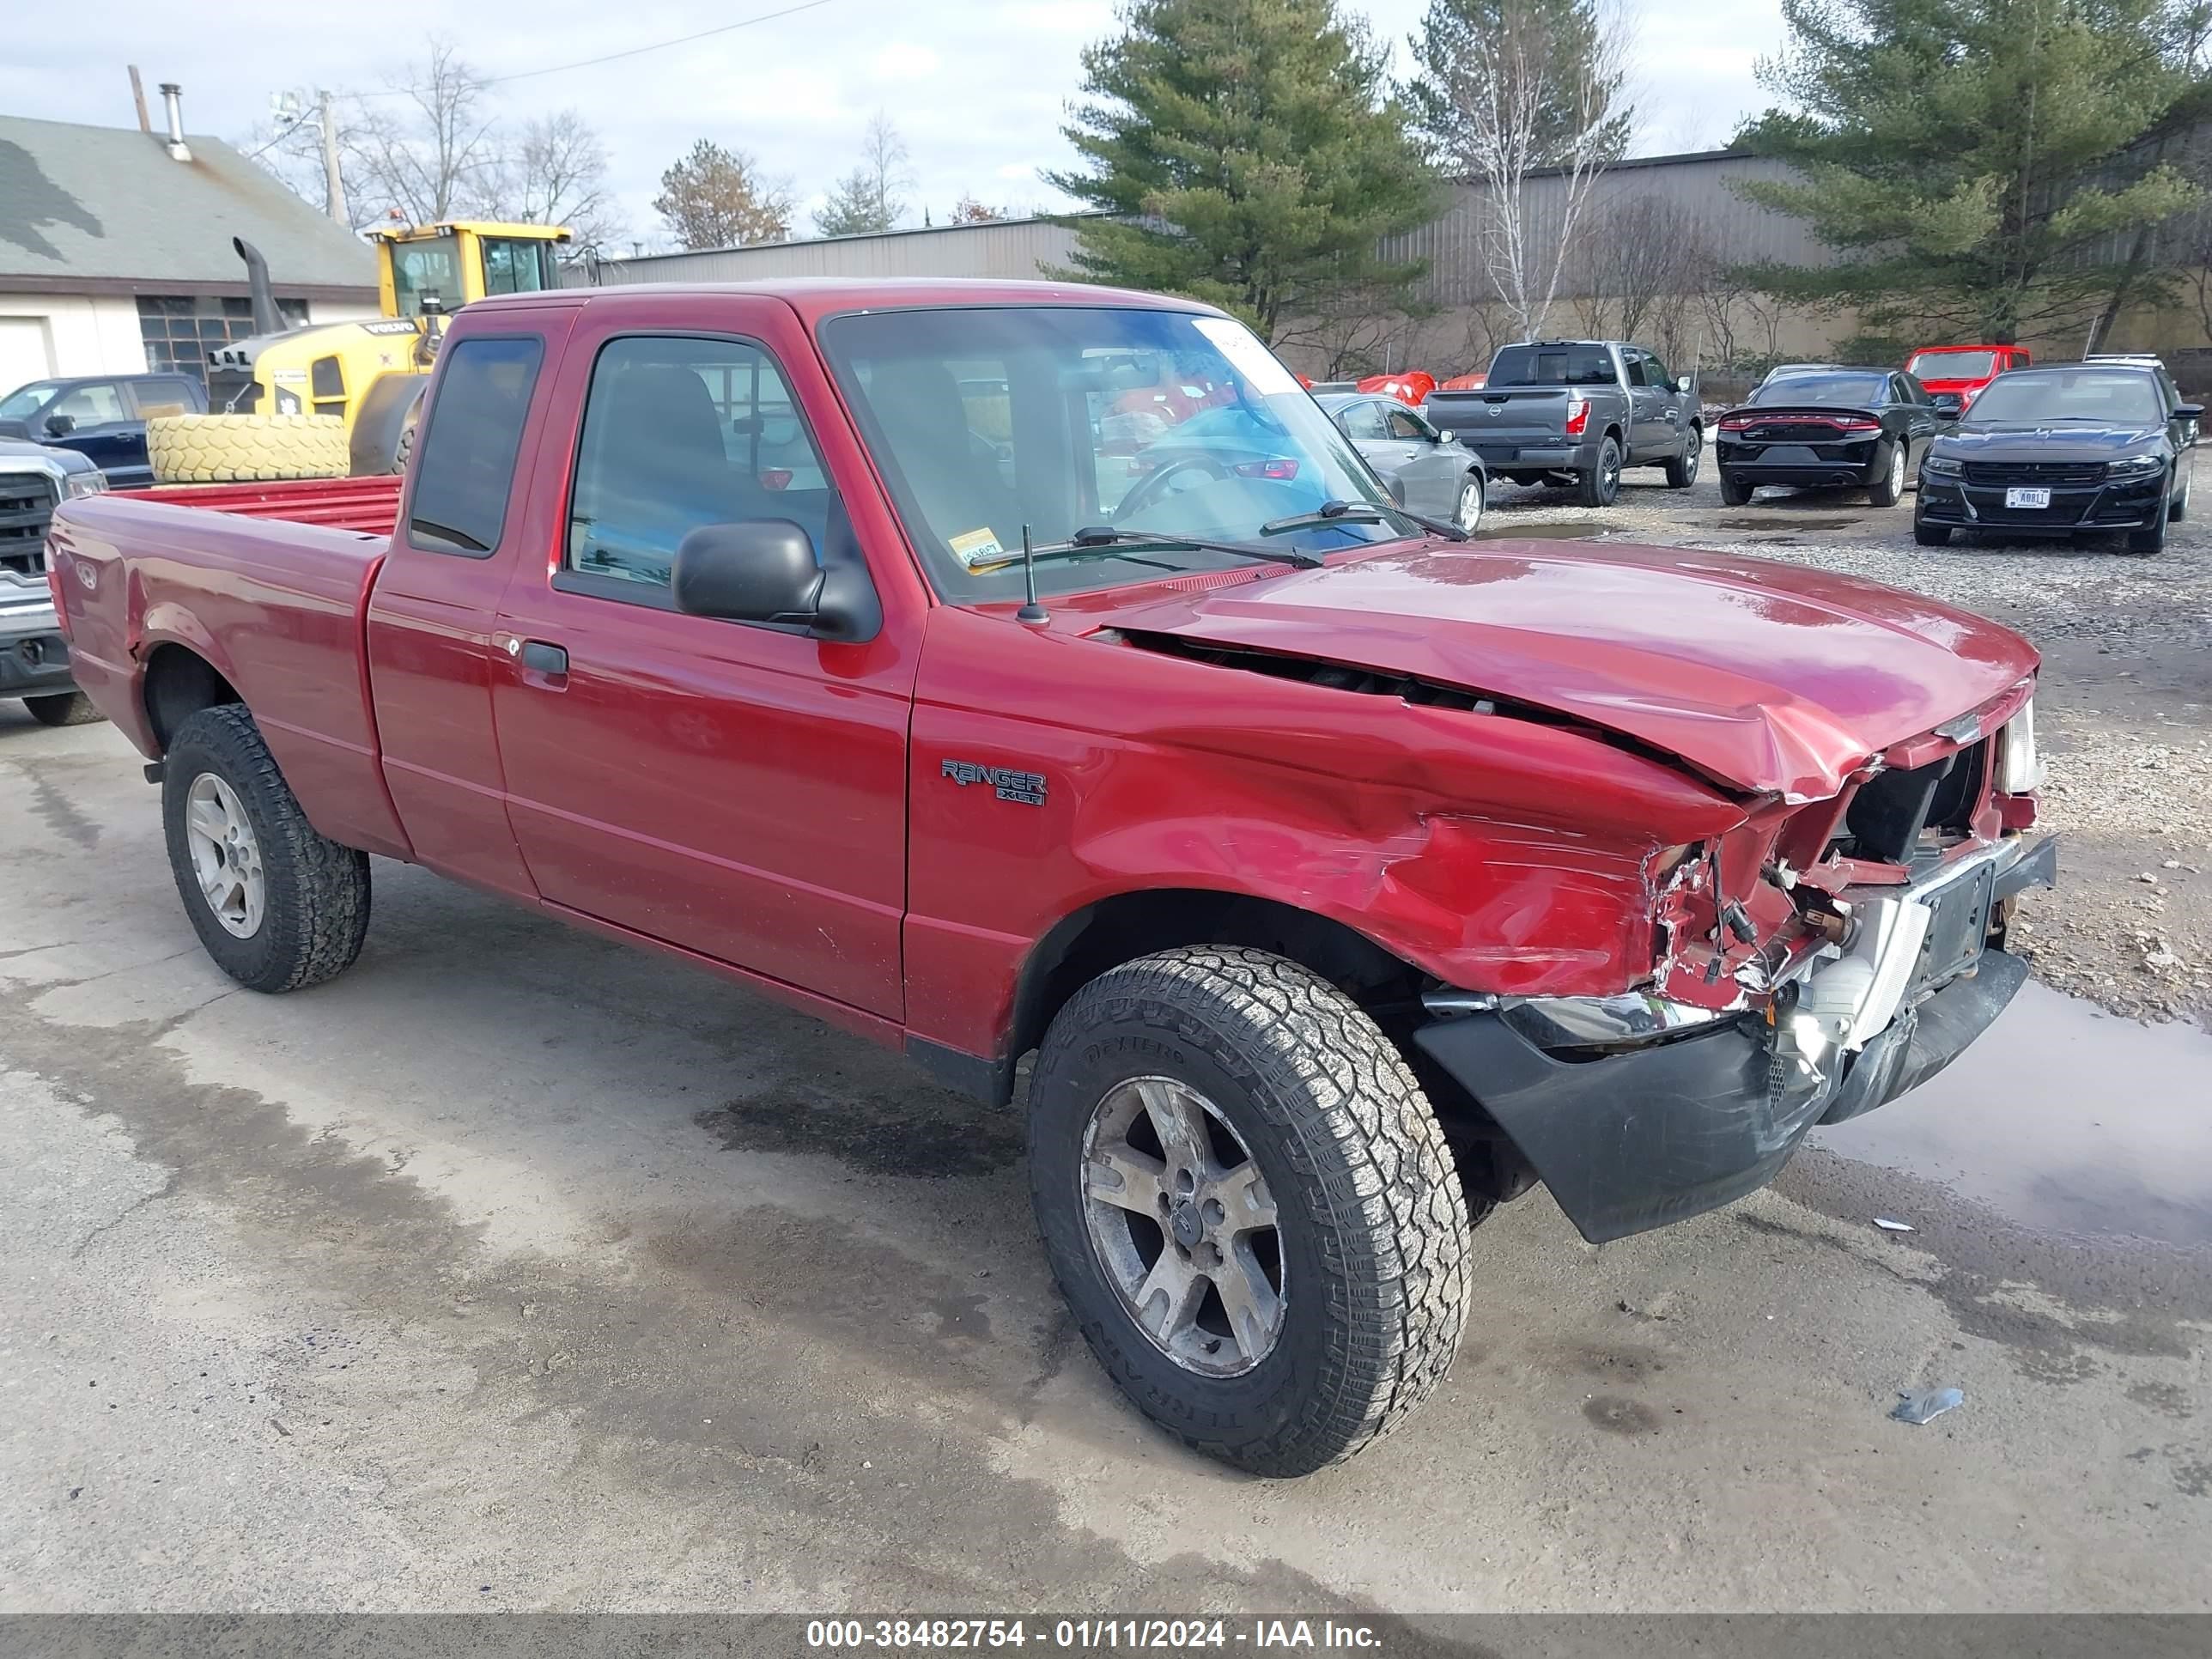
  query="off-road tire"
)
[
  {"x": 1931, "y": 535},
  {"x": 1373, "y": 1229},
  {"x": 1888, "y": 488},
  {"x": 315, "y": 912},
  {"x": 404, "y": 451},
  {"x": 62, "y": 708},
  {"x": 1734, "y": 492},
  {"x": 246, "y": 448},
  {"x": 1682, "y": 470},
  {"x": 1601, "y": 485}
]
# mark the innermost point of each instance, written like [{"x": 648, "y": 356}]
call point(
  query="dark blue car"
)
[{"x": 102, "y": 417}]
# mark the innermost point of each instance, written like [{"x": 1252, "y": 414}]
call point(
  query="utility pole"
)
[{"x": 334, "y": 201}]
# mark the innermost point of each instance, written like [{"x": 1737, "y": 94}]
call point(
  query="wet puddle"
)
[
  {"x": 2064, "y": 1119},
  {"x": 1786, "y": 521}
]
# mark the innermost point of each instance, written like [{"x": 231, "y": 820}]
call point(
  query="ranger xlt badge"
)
[{"x": 1026, "y": 788}]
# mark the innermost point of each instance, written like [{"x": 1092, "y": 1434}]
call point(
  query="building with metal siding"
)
[{"x": 1005, "y": 248}]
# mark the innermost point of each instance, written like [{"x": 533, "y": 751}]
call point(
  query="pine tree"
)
[
  {"x": 1250, "y": 156},
  {"x": 716, "y": 198},
  {"x": 866, "y": 200},
  {"x": 1982, "y": 168}
]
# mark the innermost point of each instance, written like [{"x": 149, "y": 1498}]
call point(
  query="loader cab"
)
[{"x": 453, "y": 263}]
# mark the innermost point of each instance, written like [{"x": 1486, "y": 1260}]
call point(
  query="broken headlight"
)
[{"x": 2019, "y": 768}]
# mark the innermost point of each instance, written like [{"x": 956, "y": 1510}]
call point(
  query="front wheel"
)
[
  {"x": 1888, "y": 487},
  {"x": 1931, "y": 535},
  {"x": 2152, "y": 538},
  {"x": 277, "y": 905},
  {"x": 2178, "y": 508},
  {"x": 62, "y": 708},
  {"x": 1249, "y": 1205},
  {"x": 1468, "y": 515},
  {"x": 1682, "y": 470},
  {"x": 1601, "y": 485}
]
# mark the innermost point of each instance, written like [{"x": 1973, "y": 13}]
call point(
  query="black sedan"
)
[
  {"x": 1827, "y": 428},
  {"x": 2067, "y": 449}
]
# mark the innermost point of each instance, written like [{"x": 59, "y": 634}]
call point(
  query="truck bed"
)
[{"x": 269, "y": 584}]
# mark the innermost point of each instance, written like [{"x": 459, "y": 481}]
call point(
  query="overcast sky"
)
[{"x": 976, "y": 87}]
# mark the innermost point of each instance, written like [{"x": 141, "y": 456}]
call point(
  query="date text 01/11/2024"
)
[{"x": 1085, "y": 1634}]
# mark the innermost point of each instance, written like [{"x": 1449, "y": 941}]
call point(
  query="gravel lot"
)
[{"x": 2124, "y": 712}]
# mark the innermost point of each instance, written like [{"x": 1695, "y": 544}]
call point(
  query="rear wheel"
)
[
  {"x": 1734, "y": 492},
  {"x": 1601, "y": 485},
  {"x": 1888, "y": 487},
  {"x": 1249, "y": 1205},
  {"x": 1682, "y": 470},
  {"x": 276, "y": 905},
  {"x": 62, "y": 708}
]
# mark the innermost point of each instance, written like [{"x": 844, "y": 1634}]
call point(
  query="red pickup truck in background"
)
[
  {"x": 1344, "y": 878},
  {"x": 1953, "y": 375}
]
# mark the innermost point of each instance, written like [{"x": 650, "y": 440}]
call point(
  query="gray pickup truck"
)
[
  {"x": 1576, "y": 411},
  {"x": 34, "y": 663}
]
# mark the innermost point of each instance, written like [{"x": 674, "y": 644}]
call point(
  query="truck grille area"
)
[
  {"x": 1899, "y": 815},
  {"x": 27, "y": 508}
]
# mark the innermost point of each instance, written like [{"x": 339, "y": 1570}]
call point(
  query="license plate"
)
[{"x": 2018, "y": 497}]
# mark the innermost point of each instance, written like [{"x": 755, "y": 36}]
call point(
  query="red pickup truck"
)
[{"x": 1344, "y": 878}]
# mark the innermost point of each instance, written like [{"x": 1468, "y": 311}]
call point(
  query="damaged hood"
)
[{"x": 1770, "y": 678}]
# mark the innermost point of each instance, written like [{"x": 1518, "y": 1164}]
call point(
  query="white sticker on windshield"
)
[
  {"x": 1247, "y": 356},
  {"x": 976, "y": 547}
]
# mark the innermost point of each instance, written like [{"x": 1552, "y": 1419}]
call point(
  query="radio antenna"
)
[{"x": 1031, "y": 611}]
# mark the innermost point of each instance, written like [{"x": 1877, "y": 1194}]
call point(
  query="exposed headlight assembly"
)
[
  {"x": 83, "y": 483},
  {"x": 2019, "y": 768}
]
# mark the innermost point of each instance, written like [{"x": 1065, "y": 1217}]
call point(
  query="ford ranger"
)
[
  {"x": 1340, "y": 878},
  {"x": 1575, "y": 412}
]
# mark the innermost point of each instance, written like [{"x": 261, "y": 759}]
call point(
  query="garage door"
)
[{"x": 25, "y": 353}]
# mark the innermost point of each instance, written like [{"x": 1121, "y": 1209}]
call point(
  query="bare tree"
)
[
  {"x": 1638, "y": 262},
  {"x": 555, "y": 173},
  {"x": 1361, "y": 332},
  {"x": 867, "y": 199},
  {"x": 428, "y": 149},
  {"x": 718, "y": 198},
  {"x": 970, "y": 212},
  {"x": 1540, "y": 90}
]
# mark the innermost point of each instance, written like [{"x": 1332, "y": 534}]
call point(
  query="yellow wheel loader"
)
[{"x": 338, "y": 398}]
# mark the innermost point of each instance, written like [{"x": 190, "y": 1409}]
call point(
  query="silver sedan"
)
[{"x": 1428, "y": 470}]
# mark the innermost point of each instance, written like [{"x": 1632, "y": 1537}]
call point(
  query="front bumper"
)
[
  {"x": 1629, "y": 1138},
  {"x": 2074, "y": 509},
  {"x": 34, "y": 658}
]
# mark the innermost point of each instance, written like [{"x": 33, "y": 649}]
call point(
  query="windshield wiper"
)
[
  {"x": 1332, "y": 513},
  {"x": 1103, "y": 538}
]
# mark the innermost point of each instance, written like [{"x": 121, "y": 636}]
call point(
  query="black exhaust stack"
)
[{"x": 267, "y": 319}]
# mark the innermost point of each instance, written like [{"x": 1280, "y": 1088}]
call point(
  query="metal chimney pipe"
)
[{"x": 171, "y": 100}]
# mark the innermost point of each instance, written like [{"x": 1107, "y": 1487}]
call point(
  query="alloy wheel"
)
[{"x": 226, "y": 857}]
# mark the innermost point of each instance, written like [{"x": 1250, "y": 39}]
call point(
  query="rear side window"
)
[
  {"x": 465, "y": 463},
  {"x": 1553, "y": 365}
]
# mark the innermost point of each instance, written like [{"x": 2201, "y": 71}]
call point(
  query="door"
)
[
  {"x": 1431, "y": 470},
  {"x": 1919, "y": 418},
  {"x": 1644, "y": 427},
  {"x": 738, "y": 790},
  {"x": 436, "y": 601},
  {"x": 95, "y": 419}
]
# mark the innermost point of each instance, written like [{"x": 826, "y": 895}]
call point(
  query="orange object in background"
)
[
  {"x": 1409, "y": 388},
  {"x": 1465, "y": 383}
]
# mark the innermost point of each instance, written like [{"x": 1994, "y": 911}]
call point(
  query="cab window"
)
[
  {"x": 465, "y": 468},
  {"x": 517, "y": 265},
  {"x": 681, "y": 432},
  {"x": 420, "y": 268},
  {"x": 91, "y": 406}
]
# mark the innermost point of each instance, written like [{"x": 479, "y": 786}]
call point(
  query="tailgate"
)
[{"x": 1499, "y": 424}]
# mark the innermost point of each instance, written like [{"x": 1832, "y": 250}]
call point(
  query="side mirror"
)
[
  {"x": 60, "y": 426},
  {"x": 1685, "y": 382},
  {"x": 757, "y": 570},
  {"x": 2190, "y": 412}
]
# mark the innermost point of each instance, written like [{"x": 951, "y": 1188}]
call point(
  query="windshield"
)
[
  {"x": 25, "y": 399},
  {"x": 428, "y": 267},
  {"x": 1952, "y": 365},
  {"x": 1856, "y": 390},
  {"x": 2109, "y": 397},
  {"x": 1062, "y": 418},
  {"x": 1551, "y": 365}
]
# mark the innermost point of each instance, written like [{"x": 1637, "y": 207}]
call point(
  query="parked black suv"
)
[
  {"x": 102, "y": 417},
  {"x": 2063, "y": 449}
]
